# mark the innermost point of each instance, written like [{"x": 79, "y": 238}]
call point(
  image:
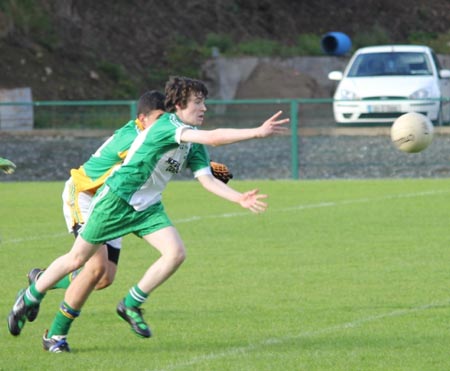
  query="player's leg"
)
[
  {"x": 113, "y": 249},
  {"x": 75, "y": 297},
  {"x": 104, "y": 281},
  {"x": 34, "y": 274},
  {"x": 33, "y": 295},
  {"x": 104, "y": 224},
  {"x": 75, "y": 210},
  {"x": 168, "y": 242},
  {"x": 173, "y": 253},
  {"x": 98, "y": 272}
]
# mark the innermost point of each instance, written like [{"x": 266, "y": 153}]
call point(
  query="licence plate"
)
[{"x": 383, "y": 108}]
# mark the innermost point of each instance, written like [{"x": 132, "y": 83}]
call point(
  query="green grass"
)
[{"x": 336, "y": 275}]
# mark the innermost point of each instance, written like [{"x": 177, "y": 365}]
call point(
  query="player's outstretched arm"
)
[
  {"x": 273, "y": 126},
  {"x": 250, "y": 200},
  {"x": 219, "y": 137}
]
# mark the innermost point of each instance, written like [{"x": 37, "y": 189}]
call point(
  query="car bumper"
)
[{"x": 354, "y": 112}]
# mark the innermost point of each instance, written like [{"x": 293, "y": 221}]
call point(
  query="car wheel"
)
[
  {"x": 445, "y": 113},
  {"x": 439, "y": 121}
]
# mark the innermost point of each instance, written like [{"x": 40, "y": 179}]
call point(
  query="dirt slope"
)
[{"x": 70, "y": 49}]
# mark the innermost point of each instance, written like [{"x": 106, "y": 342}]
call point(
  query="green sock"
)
[
  {"x": 66, "y": 280},
  {"x": 135, "y": 297},
  {"x": 32, "y": 295},
  {"x": 63, "y": 320}
]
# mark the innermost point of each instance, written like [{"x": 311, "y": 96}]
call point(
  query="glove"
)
[
  {"x": 7, "y": 166},
  {"x": 221, "y": 172}
]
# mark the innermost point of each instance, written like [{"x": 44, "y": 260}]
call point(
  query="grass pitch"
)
[{"x": 336, "y": 275}]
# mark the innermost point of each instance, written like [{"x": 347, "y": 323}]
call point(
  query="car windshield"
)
[{"x": 390, "y": 63}]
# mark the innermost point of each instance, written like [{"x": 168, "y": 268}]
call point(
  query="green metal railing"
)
[
  {"x": 242, "y": 113},
  {"x": 131, "y": 107},
  {"x": 293, "y": 105}
]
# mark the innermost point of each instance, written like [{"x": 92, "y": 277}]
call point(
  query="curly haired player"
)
[
  {"x": 79, "y": 189},
  {"x": 130, "y": 202}
]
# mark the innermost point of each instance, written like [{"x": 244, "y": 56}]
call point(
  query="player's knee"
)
[
  {"x": 178, "y": 255},
  {"x": 105, "y": 280},
  {"x": 95, "y": 270},
  {"x": 76, "y": 262},
  {"x": 103, "y": 283}
]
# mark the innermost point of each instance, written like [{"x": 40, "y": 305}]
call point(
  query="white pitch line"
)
[
  {"x": 32, "y": 238},
  {"x": 243, "y": 350},
  {"x": 319, "y": 205}
]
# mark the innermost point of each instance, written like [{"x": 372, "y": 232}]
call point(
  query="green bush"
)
[
  {"x": 258, "y": 48},
  {"x": 376, "y": 35},
  {"x": 220, "y": 41},
  {"x": 125, "y": 87},
  {"x": 440, "y": 42},
  {"x": 309, "y": 44},
  {"x": 114, "y": 71},
  {"x": 184, "y": 57},
  {"x": 31, "y": 18}
]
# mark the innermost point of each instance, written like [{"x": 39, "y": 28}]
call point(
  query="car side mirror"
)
[
  {"x": 336, "y": 75},
  {"x": 444, "y": 74}
]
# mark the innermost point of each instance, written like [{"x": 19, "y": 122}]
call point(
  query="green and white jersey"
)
[
  {"x": 154, "y": 157},
  {"x": 112, "y": 152}
]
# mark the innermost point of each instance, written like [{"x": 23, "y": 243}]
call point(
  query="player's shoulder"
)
[
  {"x": 129, "y": 130},
  {"x": 171, "y": 119},
  {"x": 129, "y": 126},
  {"x": 168, "y": 122}
]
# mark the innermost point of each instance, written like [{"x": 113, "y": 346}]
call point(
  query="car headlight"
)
[
  {"x": 420, "y": 94},
  {"x": 347, "y": 95}
]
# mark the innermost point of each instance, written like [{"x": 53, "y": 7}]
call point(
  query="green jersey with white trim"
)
[
  {"x": 92, "y": 174},
  {"x": 154, "y": 157}
]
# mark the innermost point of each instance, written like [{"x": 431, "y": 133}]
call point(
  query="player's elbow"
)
[
  {"x": 215, "y": 139},
  {"x": 214, "y": 143}
]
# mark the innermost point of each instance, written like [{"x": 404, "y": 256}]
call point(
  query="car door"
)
[{"x": 444, "y": 87}]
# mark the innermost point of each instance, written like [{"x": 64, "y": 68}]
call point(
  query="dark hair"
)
[
  {"x": 178, "y": 89},
  {"x": 150, "y": 101}
]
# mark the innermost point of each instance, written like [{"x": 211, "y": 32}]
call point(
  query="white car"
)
[{"x": 380, "y": 83}]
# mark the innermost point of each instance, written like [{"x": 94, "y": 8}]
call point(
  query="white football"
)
[{"x": 412, "y": 132}]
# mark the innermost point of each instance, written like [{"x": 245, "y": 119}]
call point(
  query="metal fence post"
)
[
  {"x": 133, "y": 110},
  {"x": 294, "y": 138}
]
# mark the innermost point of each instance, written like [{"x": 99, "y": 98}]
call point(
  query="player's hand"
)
[
  {"x": 7, "y": 166},
  {"x": 252, "y": 200},
  {"x": 273, "y": 126}
]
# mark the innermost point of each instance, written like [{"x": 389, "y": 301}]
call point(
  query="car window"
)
[{"x": 390, "y": 64}]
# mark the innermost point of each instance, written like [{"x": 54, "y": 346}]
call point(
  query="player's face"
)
[{"x": 194, "y": 112}]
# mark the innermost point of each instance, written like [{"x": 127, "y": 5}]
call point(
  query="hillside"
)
[{"x": 80, "y": 49}]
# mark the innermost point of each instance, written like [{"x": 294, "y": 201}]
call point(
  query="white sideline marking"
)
[
  {"x": 316, "y": 206},
  {"x": 247, "y": 213},
  {"x": 243, "y": 350},
  {"x": 33, "y": 238}
]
